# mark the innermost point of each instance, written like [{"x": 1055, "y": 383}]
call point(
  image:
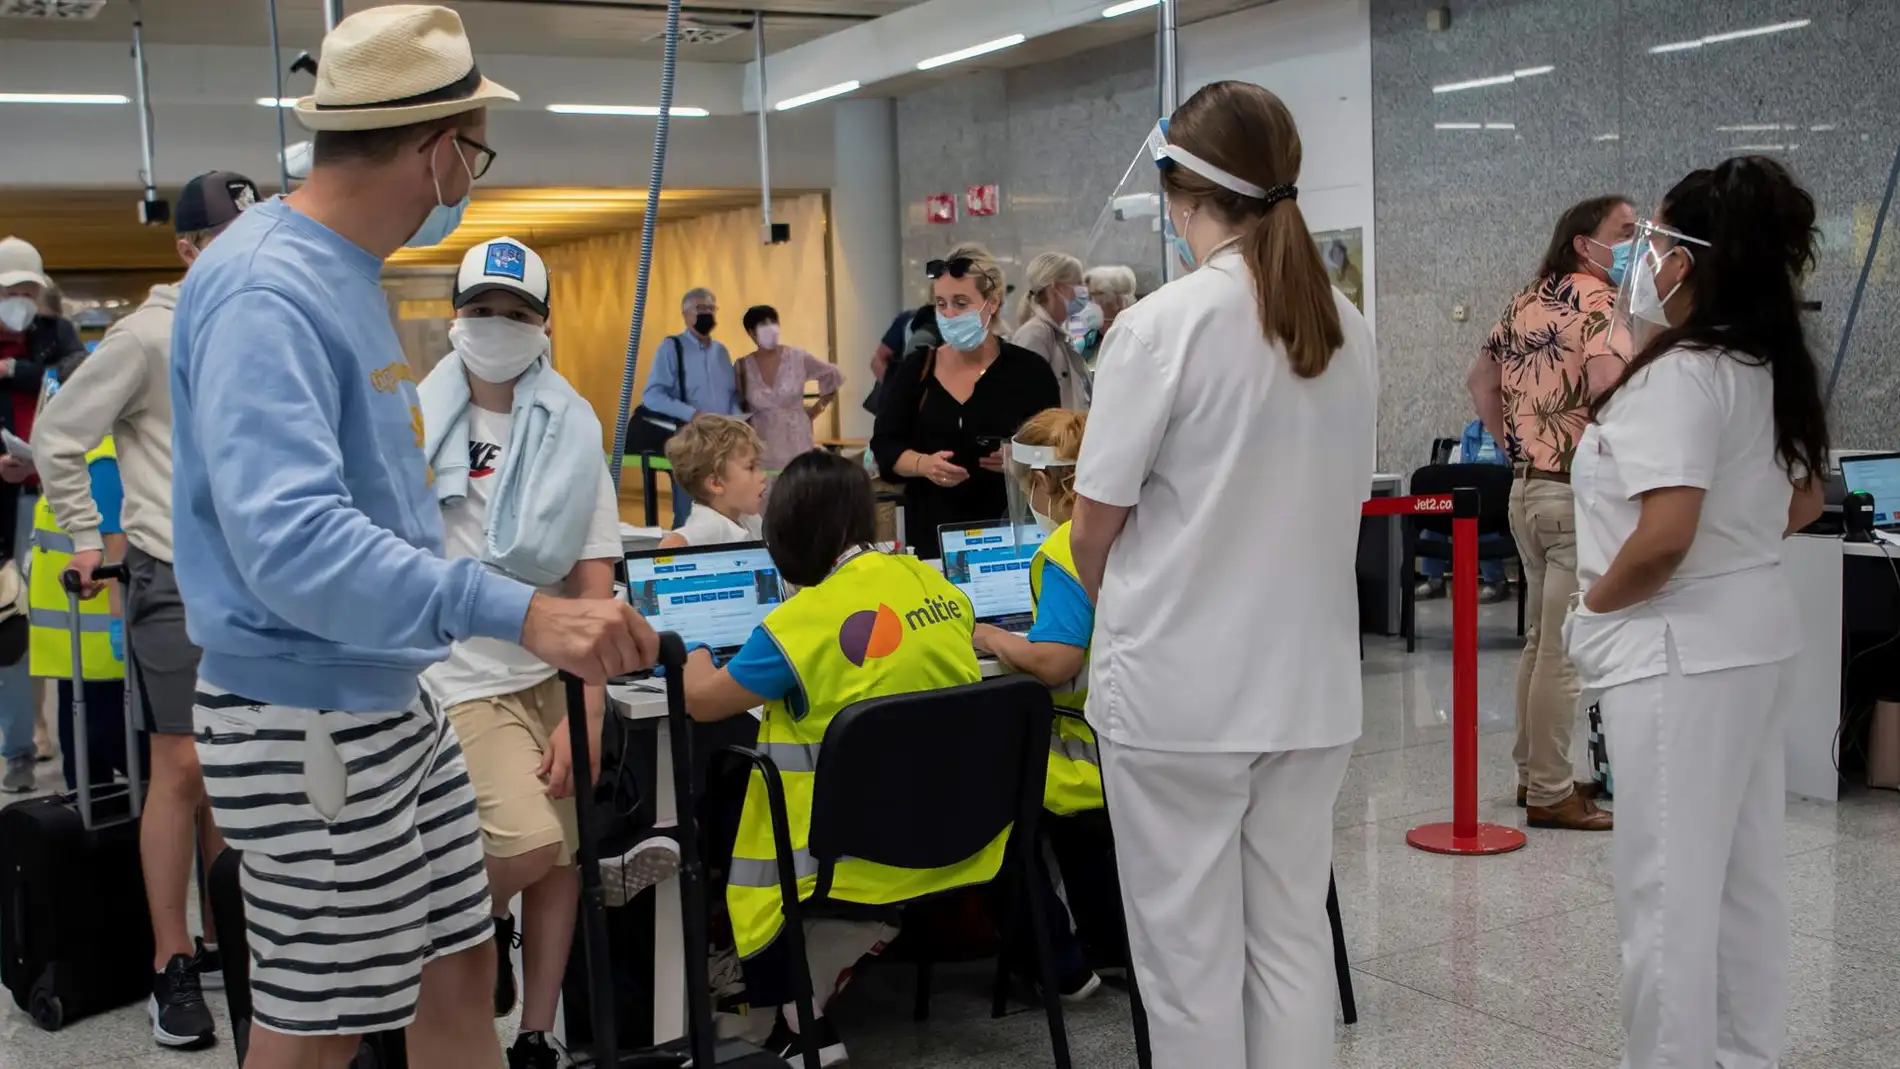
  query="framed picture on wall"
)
[{"x": 1343, "y": 253}]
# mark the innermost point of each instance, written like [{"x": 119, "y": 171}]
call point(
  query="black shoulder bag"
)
[{"x": 648, "y": 431}]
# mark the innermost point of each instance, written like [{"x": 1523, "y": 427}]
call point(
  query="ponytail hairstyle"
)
[
  {"x": 1745, "y": 293},
  {"x": 1046, "y": 270},
  {"x": 1246, "y": 131},
  {"x": 1061, "y": 430}
]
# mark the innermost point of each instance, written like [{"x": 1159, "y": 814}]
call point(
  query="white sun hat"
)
[{"x": 393, "y": 66}]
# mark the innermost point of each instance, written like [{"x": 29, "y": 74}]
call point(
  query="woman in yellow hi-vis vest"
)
[
  {"x": 863, "y": 624},
  {"x": 1042, "y": 495},
  {"x": 101, "y": 628}
]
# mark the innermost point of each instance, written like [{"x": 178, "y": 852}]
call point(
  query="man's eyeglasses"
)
[
  {"x": 484, "y": 156},
  {"x": 956, "y": 268}
]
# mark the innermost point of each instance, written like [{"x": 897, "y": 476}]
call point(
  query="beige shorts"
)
[{"x": 504, "y": 739}]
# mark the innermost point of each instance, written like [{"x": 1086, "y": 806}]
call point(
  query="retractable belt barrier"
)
[{"x": 1463, "y": 835}]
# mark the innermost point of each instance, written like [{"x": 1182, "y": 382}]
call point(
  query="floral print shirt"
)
[{"x": 1554, "y": 351}]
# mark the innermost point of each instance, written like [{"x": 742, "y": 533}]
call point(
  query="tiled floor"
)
[{"x": 1476, "y": 963}]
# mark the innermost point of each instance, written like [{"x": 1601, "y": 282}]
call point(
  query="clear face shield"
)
[
  {"x": 1129, "y": 228},
  {"x": 1659, "y": 260},
  {"x": 1034, "y": 477}
]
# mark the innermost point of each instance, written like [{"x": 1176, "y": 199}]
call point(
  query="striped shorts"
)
[{"x": 362, "y": 855}]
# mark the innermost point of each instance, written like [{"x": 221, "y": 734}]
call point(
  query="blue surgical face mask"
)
[
  {"x": 966, "y": 332},
  {"x": 443, "y": 218},
  {"x": 1619, "y": 258},
  {"x": 1180, "y": 245},
  {"x": 1078, "y": 304}
]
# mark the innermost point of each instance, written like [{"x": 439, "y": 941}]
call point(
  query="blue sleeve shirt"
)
[
  {"x": 108, "y": 494},
  {"x": 1063, "y": 614},
  {"x": 760, "y": 667},
  {"x": 709, "y": 386}
]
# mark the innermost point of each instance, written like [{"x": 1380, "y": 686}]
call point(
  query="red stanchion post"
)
[{"x": 1464, "y": 835}]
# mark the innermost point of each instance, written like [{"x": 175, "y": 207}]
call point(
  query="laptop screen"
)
[
  {"x": 991, "y": 565},
  {"x": 712, "y": 594},
  {"x": 1879, "y": 476}
]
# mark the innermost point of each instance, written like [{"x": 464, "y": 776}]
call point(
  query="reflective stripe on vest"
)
[
  {"x": 1074, "y": 780},
  {"x": 879, "y": 625},
  {"x": 49, "y": 607}
]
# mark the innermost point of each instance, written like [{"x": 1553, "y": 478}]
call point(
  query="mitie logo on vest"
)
[{"x": 878, "y": 632}]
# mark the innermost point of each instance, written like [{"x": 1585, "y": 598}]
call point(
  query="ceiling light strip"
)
[
  {"x": 648, "y": 111},
  {"x": 64, "y": 98},
  {"x": 1118, "y": 10},
  {"x": 1731, "y": 35},
  {"x": 971, "y": 52},
  {"x": 816, "y": 95}
]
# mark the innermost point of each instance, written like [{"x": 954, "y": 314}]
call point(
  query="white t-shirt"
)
[
  {"x": 486, "y": 667},
  {"x": 706, "y": 526},
  {"x": 1229, "y": 614},
  {"x": 1691, "y": 418}
]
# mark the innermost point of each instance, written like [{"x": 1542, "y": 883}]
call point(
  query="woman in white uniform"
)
[
  {"x": 1696, "y": 468},
  {"x": 1229, "y": 450}
]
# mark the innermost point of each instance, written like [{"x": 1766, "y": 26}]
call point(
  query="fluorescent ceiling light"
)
[
  {"x": 1732, "y": 35},
  {"x": 1117, "y": 10},
  {"x": 1824, "y": 127},
  {"x": 816, "y": 95},
  {"x": 1500, "y": 126},
  {"x": 276, "y": 102},
  {"x": 1457, "y": 126},
  {"x": 64, "y": 98},
  {"x": 644, "y": 110},
  {"x": 1753, "y": 127},
  {"x": 1496, "y": 79},
  {"x": 1761, "y": 148},
  {"x": 972, "y": 52},
  {"x": 1608, "y": 137}
]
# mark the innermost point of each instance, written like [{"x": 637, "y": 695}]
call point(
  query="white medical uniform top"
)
[
  {"x": 1229, "y": 615},
  {"x": 1691, "y": 418}
]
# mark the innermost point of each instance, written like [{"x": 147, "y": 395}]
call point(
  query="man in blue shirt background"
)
[{"x": 708, "y": 385}]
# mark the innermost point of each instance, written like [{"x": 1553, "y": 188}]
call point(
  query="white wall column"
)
[{"x": 866, "y": 290}]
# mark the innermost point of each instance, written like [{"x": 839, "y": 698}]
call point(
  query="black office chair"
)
[
  {"x": 894, "y": 787},
  {"x": 1443, "y": 449},
  {"x": 1493, "y": 483}
]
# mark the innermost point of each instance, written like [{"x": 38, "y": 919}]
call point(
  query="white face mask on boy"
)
[{"x": 495, "y": 348}]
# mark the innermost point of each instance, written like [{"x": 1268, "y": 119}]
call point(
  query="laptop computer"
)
[
  {"x": 714, "y": 595},
  {"x": 1877, "y": 474},
  {"x": 990, "y": 563}
]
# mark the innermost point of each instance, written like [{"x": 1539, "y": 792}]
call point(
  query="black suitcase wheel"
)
[{"x": 48, "y": 1012}]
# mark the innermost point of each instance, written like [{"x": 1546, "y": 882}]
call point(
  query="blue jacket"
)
[{"x": 308, "y": 539}]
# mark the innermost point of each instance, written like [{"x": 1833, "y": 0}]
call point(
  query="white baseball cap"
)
[
  {"x": 503, "y": 264},
  {"x": 20, "y": 262}
]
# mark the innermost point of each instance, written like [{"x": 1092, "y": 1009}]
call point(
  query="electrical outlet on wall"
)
[{"x": 1460, "y": 313}]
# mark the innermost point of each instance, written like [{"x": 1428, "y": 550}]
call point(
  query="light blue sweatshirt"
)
[{"x": 308, "y": 540}]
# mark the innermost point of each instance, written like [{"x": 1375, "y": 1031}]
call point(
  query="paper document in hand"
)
[{"x": 17, "y": 447}]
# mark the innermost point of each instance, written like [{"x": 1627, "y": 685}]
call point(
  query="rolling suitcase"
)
[
  {"x": 381, "y": 1050},
  {"x": 75, "y": 935},
  {"x": 702, "y": 1048}
]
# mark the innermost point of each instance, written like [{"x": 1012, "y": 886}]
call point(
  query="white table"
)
[{"x": 1815, "y": 567}]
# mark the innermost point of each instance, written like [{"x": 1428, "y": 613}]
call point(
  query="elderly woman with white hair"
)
[
  {"x": 691, "y": 373},
  {"x": 1052, "y": 295}
]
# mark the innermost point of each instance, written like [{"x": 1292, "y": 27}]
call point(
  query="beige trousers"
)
[{"x": 1544, "y": 523}]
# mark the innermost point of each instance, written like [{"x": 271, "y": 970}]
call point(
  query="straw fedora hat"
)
[{"x": 393, "y": 66}]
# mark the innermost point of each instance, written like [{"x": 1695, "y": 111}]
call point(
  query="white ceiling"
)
[{"x": 532, "y": 27}]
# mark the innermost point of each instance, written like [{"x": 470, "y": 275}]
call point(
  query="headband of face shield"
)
[
  {"x": 1641, "y": 301},
  {"x": 1032, "y": 475},
  {"x": 1168, "y": 156}
]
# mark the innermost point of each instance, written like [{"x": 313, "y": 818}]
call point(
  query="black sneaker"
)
[
  {"x": 532, "y": 1051},
  {"x": 209, "y": 965},
  {"x": 506, "y": 938},
  {"x": 180, "y": 1018},
  {"x": 788, "y": 1045}
]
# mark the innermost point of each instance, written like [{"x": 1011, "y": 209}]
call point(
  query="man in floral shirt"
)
[{"x": 1534, "y": 382}]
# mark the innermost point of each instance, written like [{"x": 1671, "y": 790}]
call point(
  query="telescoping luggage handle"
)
[
  {"x": 692, "y": 877},
  {"x": 82, "y": 757}
]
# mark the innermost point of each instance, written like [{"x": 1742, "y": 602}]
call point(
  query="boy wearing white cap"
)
[
  {"x": 309, "y": 547},
  {"x": 506, "y": 704}
]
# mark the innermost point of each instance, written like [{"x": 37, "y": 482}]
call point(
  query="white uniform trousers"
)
[
  {"x": 1697, "y": 857},
  {"x": 1211, "y": 846}
]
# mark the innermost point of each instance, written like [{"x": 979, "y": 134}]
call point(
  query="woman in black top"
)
[{"x": 946, "y": 414}]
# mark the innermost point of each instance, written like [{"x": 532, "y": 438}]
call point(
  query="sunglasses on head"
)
[{"x": 956, "y": 268}]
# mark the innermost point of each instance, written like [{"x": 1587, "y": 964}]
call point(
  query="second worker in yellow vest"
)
[
  {"x": 863, "y": 624},
  {"x": 1056, "y": 651}
]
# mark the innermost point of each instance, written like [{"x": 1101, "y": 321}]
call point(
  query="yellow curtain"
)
[{"x": 592, "y": 284}]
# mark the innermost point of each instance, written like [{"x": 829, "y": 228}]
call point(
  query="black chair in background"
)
[
  {"x": 896, "y": 788},
  {"x": 1443, "y": 449},
  {"x": 1493, "y": 483}
]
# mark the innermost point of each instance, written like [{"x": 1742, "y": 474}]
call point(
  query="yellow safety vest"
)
[
  {"x": 50, "y": 649},
  {"x": 1074, "y": 782},
  {"x": 879, "y": 625}
]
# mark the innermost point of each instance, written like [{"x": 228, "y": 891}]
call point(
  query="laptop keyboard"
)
[{"x": 1019, "y": 623}]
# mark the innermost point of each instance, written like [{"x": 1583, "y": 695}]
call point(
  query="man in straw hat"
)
[{"x": 309, "y": 549}]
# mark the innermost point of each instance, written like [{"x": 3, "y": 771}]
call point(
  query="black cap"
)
[{"x": 211, "y": 200}]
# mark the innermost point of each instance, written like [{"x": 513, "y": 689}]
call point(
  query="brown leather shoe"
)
[
  {"x": 1574, "y": 813},
  {"x": 1589, "y": 790}
]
